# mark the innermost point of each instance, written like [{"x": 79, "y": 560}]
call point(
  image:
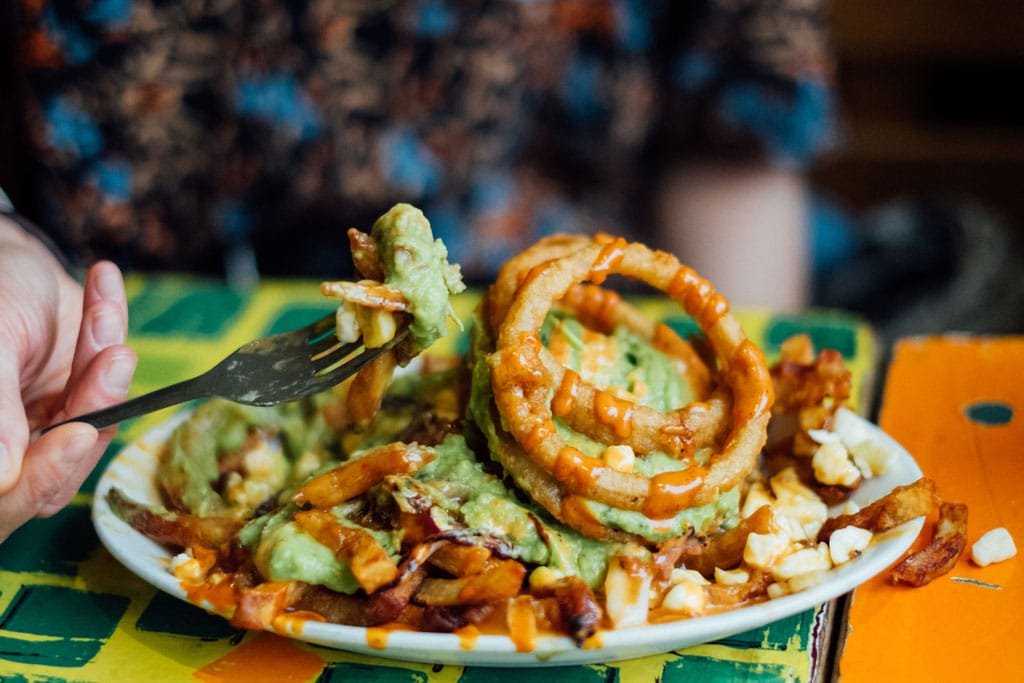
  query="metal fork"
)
[{"x": 267, "y": 371}]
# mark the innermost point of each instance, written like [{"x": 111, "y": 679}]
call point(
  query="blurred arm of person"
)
[
  {"x": 744, "y": 227},
  {"x": 64, "y": 354},
  {"x": 755, "y": 84}
]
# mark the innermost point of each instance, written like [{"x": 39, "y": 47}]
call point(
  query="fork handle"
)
[{"x": 140, "y": 405}]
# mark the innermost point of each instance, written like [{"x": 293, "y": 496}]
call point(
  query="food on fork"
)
[
  {"x": 583, "y": 467},
  {"x": 406, "y": 282}
]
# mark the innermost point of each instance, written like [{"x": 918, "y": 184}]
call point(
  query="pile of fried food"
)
[{"x": 583, "y": 467}]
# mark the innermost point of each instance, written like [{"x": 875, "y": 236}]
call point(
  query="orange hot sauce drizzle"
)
[
  {"x": 712, "y": 311},
  {"x": 540, "y": 431},
  {"x": 596, "y": 306},
  {"x": 377, "y": 636},
  {"x": 467, "y": 635},
  {"x": 748, "y": 371},
  {"x": 689, "y": 289},
  {"x": 614, "y": 412},
  {"x": 611, "y": 255},
  {"x": 672, "y": 491},
  {"x": 219, "y": 596},
  {"x": 567, "y": 393},
  {"x": 576, "y": 470},
  {"x": 522, "y": 623}
]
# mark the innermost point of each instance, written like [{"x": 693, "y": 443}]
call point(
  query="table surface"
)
[{"x": 69, "y": 611}]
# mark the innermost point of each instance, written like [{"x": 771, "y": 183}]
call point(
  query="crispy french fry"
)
[
  {"x": 357, "y": 476},
  {"x": 939, "y": 556},
  {"x": 258, "y": 605},
  {"x": 500, "y": 580},
  {"x": 365, "y": 256},
  {"x": 366, "y": 558},
  {"x": 900, "y": 505},
  {"x": 461, "y": 560},
  {"x": 367, "y": 293}
]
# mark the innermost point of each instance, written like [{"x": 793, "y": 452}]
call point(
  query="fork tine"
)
[
  {"x": 335, "y": 375},
  {"x": 317, "y": 331},
  {"x": 334, "y": 353}
]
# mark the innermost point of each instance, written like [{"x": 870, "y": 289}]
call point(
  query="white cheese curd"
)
[
  {"x": 847, "y": 543},
  {"x": 995, "y": 545},
  {"x": 812, "y": 559},
  {"x": 823, "y": 436},
  {"x": 832, "y": 465},
  {"x": 731, "y": 577},
  {"x": 758, "y": 496},
  {"x": 628, "y": 595},
  {"x": 762, "y": 550},
  {"x": 691, "y": 575},
  {"x": 686, "y": 597},
  {"x": 873, "y": 458}
]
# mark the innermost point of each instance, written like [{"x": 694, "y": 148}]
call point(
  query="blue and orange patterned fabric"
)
[
  {"x": 166, "y": 135},
  {"x": 70, "y": 612}
]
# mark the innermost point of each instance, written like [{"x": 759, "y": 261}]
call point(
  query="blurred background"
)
[
  {"x": 921, "y": 215},
  {"x": 918, "y": 215}
]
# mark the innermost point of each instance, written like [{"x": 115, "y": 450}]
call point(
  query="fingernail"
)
[
  {"x": 108, "y": 284},
  {"x": 107, "y": 328},
  {"x": 118, "y": 377}
]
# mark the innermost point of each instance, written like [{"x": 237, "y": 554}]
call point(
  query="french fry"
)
[
  {"x": 939, "y": 556},
  {"x": 357, "y": 476},
  {"x": 500, "y": 580},
  {"x": 367, "y": 293},
  {"x": 900, "y": 505},
  {"x": 368, "y": 561},
  {"x": 258, "y": 605},
  {"x": 365, "y": 255}
]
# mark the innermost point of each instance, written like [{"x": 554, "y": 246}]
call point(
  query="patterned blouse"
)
[{"x": 178, "y": 135}]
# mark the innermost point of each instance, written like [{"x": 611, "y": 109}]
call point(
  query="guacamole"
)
[{"x": 417, "y": 265}]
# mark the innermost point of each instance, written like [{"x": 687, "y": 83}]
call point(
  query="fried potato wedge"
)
[
  {"x": 900, "y": 505},
  {"x": 939, "y": 556},
  {"x": 357, "y": 476}
]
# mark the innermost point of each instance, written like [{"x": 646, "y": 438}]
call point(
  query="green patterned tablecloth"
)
[{"x": 70, "y": 612}]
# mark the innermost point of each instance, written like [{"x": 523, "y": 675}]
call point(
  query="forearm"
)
[{"x": 744, "y": 227}]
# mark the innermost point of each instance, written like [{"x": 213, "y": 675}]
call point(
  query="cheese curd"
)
[
  {"x": 832, "y": 465},
  {"x": 847, "y": 543},
  {"x": 995, "y": 545}
]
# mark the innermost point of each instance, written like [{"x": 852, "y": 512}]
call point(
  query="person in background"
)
[{"x": 243, "y": 138}]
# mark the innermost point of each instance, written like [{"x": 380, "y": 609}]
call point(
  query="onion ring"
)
[{"x": 520, "y": 379}]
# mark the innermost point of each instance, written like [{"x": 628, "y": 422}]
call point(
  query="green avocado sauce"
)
[{"x": 417, "y": 264}]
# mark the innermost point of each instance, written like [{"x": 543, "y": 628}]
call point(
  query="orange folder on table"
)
[{"x": 956, "y": 403}]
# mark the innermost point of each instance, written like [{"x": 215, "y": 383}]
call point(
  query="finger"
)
[
  {"x": 103, "y": 326},
  {"x": 13, "y": 423},
  {"x": 104, "y": 316},
  {"x": 50, "y": 476},
  {"x": 103, "y": 282},
  {"x": 103, "y": 382}
]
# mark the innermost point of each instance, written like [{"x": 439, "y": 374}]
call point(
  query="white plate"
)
[{"x": 133, "y": 470}]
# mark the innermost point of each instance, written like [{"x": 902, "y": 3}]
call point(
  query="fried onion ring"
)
[{"x": 521, "y": 384}]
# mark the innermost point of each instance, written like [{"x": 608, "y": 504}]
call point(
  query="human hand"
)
[{"x": 63, "y": 355}]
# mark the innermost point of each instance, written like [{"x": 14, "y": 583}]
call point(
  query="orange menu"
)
[{"x": 957, "y": 404}]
